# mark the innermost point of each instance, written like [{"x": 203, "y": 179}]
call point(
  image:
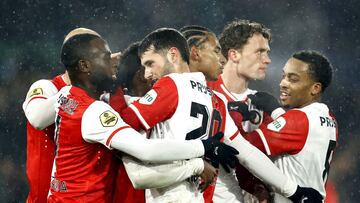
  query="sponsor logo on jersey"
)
[
  {"x": 149, "y": 98},
  {"x": 108, "y": 119},
  {"x": 68, "y": 105},
  {"x": 35, "y": 92},
  {"x": 58, "y": 186},
  {"x": 277, "y": 125}
]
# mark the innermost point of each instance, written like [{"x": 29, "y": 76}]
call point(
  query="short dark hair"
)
[
  {"x": 129, "y": 64},
  {"x": 320, "y": 67},
  {"x": 236, "y": 34},
  {"x": 76, "y": 48},
  {"x": 195, "y": 35},
  {"x": 165, "y": 38}
]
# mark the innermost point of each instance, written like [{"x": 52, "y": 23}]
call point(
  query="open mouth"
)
[{"x": 284, "y": 95}]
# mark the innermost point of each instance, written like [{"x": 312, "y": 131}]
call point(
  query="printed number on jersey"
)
[{"x": 210, "y": 124}]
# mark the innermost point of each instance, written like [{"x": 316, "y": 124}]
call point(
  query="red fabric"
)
[
  {"x": 161, "y": 108},
  {"x": 332, "y": 195},
  {"x": 124, "y": 191},
  {"x": 117, "y": 100},
  {"x": 40, "y": 149},
  {"x": 84, "y": 172},
  {"x": 246, "y": 180},
  {"x": 289, "y": 139}
]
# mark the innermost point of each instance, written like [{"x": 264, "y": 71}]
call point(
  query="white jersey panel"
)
[
  {"x": 193, "y": 111},
  {"x": 310, "y": 167}
]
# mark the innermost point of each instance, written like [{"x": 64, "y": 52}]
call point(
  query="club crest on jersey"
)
[
  {"x": 68, "y": 105},
  {"x": 108, "y": 119},
  {"x": 34, "y": 92},
  {"x": 277, "y": 124},
  {"x": 149, "y": 97}
]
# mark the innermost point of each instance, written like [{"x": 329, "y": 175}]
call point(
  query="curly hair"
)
[
  {"x": 236, "y": 34},
  {"x": 319, "y": 66},
  {"x": 196, "y": 35}
]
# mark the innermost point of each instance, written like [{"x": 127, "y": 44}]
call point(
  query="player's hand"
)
[
  {"x": 306, "y": 195},
  {"x": 117, "y": 100},
  {"x": 241, "y": 108},
  {"x": 219, "y": 152},
  {"x": 207, "y": 176},
  {"x": 264, "y": 101}
]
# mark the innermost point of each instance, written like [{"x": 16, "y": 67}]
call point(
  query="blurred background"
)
[{"x": 32, "y": 31}]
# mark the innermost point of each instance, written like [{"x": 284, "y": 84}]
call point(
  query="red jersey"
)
[
  {"x": 83, "y": 169},
  {"x": 40, "y": 143}
]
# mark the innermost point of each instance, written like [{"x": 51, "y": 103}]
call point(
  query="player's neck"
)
[
  {"x": 233, "y": 82},
  {"x": 183, "y": 67},
  {"x": 88, "y": 88}
]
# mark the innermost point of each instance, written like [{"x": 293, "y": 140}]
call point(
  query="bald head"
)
[{"x": 78, "y": 31}]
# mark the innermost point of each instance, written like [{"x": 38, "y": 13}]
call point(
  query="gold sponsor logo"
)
[
  {"x": 34, "y": 92},
  {"x": 108, "y": 119}
]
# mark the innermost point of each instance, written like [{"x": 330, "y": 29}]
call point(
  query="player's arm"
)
[
  {"x": 157, "y": 105},
  {"x": 144, "y": 175},
  {"x": 101, "y": 124},
  {"x": 285, "y": 135},
  {"x": 39, "y": 104},
  {"x": 262, "y": 167}
]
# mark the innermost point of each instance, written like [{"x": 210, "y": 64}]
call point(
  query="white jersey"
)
[
  {"x": 183, "y": 105},
  {"x": 302, "y": 142}
]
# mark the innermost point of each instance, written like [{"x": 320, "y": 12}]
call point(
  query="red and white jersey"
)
[
  {"x": 40, "y": 143},
  {"x": 248, "y": 126},
  {"x": 302, "y": 142},
  {"x": 84, "y": 166},
  {"x": 183, "y": 105}
]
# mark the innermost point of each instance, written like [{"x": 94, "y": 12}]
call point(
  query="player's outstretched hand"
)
[
  {"x": 306, "y": 195},
  {"x": 242, "y": 108},
  {"x": 264, "y": 101},
  {"x": 207, "y": 176},
  {"x": 219, "y": 152}
]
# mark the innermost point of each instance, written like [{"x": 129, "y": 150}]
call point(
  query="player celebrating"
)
[
  {"x": 38, "y": 108},
  {"x": 303, "y": 139},
  {"x": 86, "y": 128},
  {"x": 163, "y": 52}
]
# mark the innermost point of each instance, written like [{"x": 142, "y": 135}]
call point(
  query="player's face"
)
[
  {"x": 211, "y": 59},
  {"x": 102, "y": 71},
  {"x": 156, "y": 65},
  {"x": 139, "y": 84},
  {"x": 296, "y": 84},
  {"x": 254, "y": 58}
]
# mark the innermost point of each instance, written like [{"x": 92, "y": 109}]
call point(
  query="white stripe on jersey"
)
[
  {"x": 263, "y": 139},
  {"x": 138, "y": 114}
]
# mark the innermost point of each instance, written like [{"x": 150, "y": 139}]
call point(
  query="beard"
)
[{"x": 102, "y": 83}]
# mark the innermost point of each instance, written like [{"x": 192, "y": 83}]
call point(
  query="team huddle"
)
[{"x": 171, "y": 119}]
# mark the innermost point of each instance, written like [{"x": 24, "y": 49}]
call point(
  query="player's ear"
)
[
  {"x": 316, "y": 88},
  {"x": 173, "y": 55},
  {"x": 84, "y": 66},
  {"x": 194, "y": 53},
  {"x": 233, "y": 55}
]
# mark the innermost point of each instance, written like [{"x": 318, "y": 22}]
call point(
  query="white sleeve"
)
[
  {"x": 144, "y": 176},
  {"x": 256, "y": 161},
  {"x": 102, "y": 124},
  {"x": 39, "y": 104}
]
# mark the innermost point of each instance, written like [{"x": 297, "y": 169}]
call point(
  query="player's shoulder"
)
[
  {"x": 102, "y": 111},
  {"x": 42, "y": 87}
]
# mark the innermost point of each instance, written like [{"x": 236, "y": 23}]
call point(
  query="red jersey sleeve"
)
[
  {"x": 157, "y": 105},
  {"x": 286, "y": 134}
]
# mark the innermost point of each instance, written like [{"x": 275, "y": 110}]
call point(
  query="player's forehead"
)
[
  {"x": 151, "y": 54},
  {"x": 294, "y": 65}
]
